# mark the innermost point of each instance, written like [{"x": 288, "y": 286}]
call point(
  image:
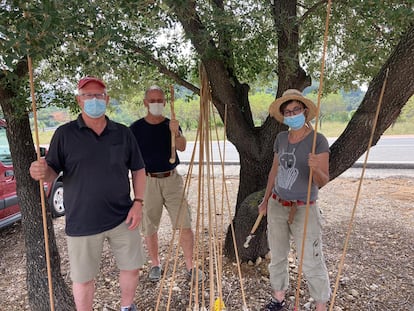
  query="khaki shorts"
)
[
  {"x": 85, "y": 252},
  {"x": 168, "y": 192}
]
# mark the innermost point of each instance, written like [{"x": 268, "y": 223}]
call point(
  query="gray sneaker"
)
[
  {"x": 155, "y": 274},
  {"x": 199, "y": 273},
  {"x": 132, "y": 307}
]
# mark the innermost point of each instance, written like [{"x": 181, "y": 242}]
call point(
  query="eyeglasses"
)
[
  {"x": 294, "y": 112},
  {"x": 90, "y": 96}
]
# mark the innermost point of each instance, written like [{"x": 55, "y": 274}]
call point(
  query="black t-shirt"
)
[
  {"x": 95, "y": 174},
  {"x": 154, "y": 141}
]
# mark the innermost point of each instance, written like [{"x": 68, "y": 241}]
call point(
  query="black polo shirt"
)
[{"x": 95, "y": 174}]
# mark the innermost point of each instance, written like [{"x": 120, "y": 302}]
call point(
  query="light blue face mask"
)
[
  {"x": 295, "y": 122},
  {"x": 94, "y": 108}
]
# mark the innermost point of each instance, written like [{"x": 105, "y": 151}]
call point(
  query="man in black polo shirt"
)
[
  {"x": 95, "y": 155},
  {"x": 164, "y": 186}
]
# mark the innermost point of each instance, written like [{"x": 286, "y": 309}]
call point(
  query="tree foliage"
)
[{"x": 133, "y": 44}]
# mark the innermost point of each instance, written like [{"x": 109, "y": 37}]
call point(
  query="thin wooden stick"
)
[
  {"x": 341, "y": 263},
  {"x": 172, "y": 158},
  {"x": 42, "y": 192},
  {"x": 204, "y": 80},
  {"x": 325, "y": 43}
]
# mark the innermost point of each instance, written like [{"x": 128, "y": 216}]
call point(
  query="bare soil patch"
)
[{"x": 378, "y": 272}]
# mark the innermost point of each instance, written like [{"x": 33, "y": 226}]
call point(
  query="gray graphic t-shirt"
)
[{"x": 291, "y": 182}]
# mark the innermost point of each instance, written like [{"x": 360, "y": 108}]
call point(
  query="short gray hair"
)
[{"x": 154, "y": 88}]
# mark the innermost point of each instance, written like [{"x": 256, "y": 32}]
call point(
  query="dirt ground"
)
[{"x": 377, "y": 274}]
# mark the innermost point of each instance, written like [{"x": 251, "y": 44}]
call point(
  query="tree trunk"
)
[
  {"x": 28, "y": 192},
  {"x": 353, "y": 142},
  {"x": 255, "y": 145},
  {"x": 255, "y": 164},
  {"x": 243, "y": 224},
  {"x": 290, "y": 74}
]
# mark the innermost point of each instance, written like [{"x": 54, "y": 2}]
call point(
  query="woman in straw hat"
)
[{"x": 286, "y": 195}]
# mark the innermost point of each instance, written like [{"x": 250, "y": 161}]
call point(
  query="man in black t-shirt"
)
[{"x": 164, "y": 186}]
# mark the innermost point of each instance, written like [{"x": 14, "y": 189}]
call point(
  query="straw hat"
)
[{"x": 292, "y": 94}]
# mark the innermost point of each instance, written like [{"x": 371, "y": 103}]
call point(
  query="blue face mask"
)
[
  {"x": 94, "y": 108},
  {"x": 295, "y": 122}
]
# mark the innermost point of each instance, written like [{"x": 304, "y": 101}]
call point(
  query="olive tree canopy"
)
[{"x": 131, "y": 43}]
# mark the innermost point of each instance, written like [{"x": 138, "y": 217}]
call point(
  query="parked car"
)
[{"x": 9, "y": 207}]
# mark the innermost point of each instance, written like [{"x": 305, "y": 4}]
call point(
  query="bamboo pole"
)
[
  {"x": 42, "y": 192},
  {"x": 341, "y": 263},
  {"x": 325, "y": 44}
]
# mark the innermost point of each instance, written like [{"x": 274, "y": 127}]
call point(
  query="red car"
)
[{"x": 9, "y": 208}]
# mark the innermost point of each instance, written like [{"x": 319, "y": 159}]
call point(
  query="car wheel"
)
[{"x": 56, "y": 200}]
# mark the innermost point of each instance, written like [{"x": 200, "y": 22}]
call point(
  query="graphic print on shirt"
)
[{"x": 287, "y": 171}]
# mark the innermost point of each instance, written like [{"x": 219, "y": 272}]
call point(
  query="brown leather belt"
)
[
  {"x": 290, "y": 203},
  {"x": 160, "y": 175}
]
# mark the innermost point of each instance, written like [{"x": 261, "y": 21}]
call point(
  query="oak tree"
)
[{"x": 238, "y": 43}]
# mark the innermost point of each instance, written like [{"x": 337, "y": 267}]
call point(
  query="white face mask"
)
[{"x": 156, "y": 109}]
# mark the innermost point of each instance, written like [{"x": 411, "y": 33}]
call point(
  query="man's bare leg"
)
[
  {"x": 152, "y": 246},
  {"x": 187, "y": 245},
  {"x": 83, "y": 295},
  {"x": 128, "y": 281},
  {"x": 320, "y": 306}
]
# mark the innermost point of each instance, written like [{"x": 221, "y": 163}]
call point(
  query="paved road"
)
[
  {"x": 392, "y": 156},
  {"x": 353, "y": 172},
  {"x": 391, "y": 150}
]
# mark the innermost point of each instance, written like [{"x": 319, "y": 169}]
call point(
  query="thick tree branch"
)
[
  {"x": 225, "y": 38},
  {"x": 165, "y": 70},
  {"x": 291, "y": 74},
  {"x": 219, "y": 3},
  {"x": 400, "y": 87},
  {"x": 226, "y": 89},
  {"x": 311, "y": 10}
]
